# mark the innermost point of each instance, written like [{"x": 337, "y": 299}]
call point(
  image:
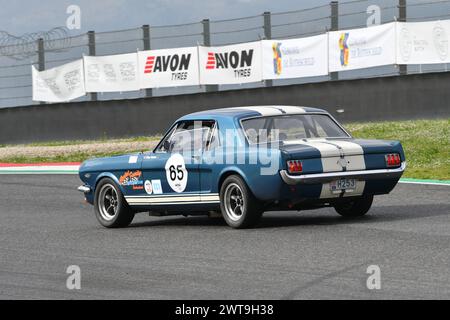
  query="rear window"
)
[{"x": 291, "y": 127}]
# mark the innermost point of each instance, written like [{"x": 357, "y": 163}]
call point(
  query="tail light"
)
[
  {"x": 393, "y": 160},
  {"x": 295, "y": 166}
]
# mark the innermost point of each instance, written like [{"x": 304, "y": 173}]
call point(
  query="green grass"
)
[
  {"x": 73, "y": 157},
  {"x": 426, "y": 144},
  {"x": 103, "y": 140}
]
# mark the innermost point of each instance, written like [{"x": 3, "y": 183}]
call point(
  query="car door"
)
[
  {"x": 211, "y": 163},
  {"x": 214, "y": 161},
  {"x": 171, "y": 173}
]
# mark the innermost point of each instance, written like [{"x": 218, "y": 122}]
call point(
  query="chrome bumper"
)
[
  {"x": 84, "y": 189},
  {"x": 330, "y": 176}
]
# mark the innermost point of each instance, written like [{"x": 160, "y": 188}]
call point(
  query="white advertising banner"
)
[
  {"x": 168, "y": 67},
  {"x": 59, "y": 84},
  {"x": 295, "y": 58},
  {"x": 362, "y": 48},
  {"x": 111, "y": 73},
  {"x": 423, "y": 42},
  {"x": 234, "y": 64}
]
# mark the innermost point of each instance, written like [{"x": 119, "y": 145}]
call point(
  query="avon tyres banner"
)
[
  {"x": 362, "y": 48},
  {"x": 168, "y": 67},
  {"x": 295, "y": 58},
  {"x": 111, "y": 73},
  {"x": 59, "y": 84},
  {"x": 234, "y": 64},
  {"x": 423, "y": 42}
]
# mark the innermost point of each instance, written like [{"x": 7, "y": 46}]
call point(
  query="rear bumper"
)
[{"x": 330, "y": 176}]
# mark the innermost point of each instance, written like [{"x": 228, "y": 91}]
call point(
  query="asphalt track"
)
[{"x": 45, "y": 227}]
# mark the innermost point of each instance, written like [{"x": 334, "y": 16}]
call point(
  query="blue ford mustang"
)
[{"x": 241, "y": 162}]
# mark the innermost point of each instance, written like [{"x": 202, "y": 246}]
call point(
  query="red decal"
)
[
  {"x": 149, "y": 64},
  {"x": 211, "y": 63}
]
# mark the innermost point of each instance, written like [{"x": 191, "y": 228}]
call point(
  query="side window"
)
[
  {"x": 187, "y": 136},
  {"x": 326, "y": 127},
  {"x": 164, "y": 144},
  {"x": 320, "y": 130},
  {"x": 213, "y": 140},
  {"x": 253, "y": 129}
]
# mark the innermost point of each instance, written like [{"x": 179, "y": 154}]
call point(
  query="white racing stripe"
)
[
  {"x": 350, "y": 148},
  {"x": 173, "y": 199},
  {"x": 264, "y": 111},
  {"x": 330, "y": 153},
  {"x": 172, "y": 203},
  {"x": 274, "y": 110},
  {"x": 326, "y": 150},
  {"x": 210, "y": 197},
  {"x": 292, "y": 109},
  {"x": 354, "y": 154}
]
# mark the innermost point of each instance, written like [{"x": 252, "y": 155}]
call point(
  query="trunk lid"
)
[
  {"x": 324, "y": 148},
  {"x": 330, "y": 155}
]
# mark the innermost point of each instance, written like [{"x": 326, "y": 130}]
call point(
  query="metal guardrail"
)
[{"x": 47, "y": 50}]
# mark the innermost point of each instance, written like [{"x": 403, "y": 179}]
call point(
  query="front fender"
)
[{"x": 111, "y": 176}]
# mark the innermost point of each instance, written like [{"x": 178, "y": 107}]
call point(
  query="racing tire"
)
[
  {"x": 354, "y": 208},
  {"x": 111, "y": 209},
  {"x": 239, "y": 207}
]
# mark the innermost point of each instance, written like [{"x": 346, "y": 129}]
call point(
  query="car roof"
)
[{"x": 250, "y": 111}]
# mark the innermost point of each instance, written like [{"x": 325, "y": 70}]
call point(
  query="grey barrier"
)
[{"x": 375, "y": 99}]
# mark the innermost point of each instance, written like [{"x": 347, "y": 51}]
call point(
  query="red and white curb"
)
[{"x": 40, "y": 168}]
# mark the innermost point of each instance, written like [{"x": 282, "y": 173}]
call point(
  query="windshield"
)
[{"x": 292, "y": 127}]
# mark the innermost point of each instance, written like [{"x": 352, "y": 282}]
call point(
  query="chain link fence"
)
[{"x": 49, "y": 49}]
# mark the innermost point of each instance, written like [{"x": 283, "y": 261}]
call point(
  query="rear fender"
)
[{"x": 255, "y": 180}]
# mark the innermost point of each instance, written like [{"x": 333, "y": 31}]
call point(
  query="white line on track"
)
[
  {"x": 73, "y": 169},
  {"x": 426, "y": 183}
]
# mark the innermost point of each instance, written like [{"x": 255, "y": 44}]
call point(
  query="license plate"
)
[{"x": 343, "y": 184}]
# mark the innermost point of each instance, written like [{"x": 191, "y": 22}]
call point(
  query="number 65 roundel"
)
[{"x": 176, "y": 173}]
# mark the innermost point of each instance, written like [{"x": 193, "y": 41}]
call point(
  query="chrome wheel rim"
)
[
  {"x": 234, "y": 202},
  {"x": 108, "y": 204}
]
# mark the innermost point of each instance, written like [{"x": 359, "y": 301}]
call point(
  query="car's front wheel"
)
[
  {"x": 354, "y": 208},
  {"x": 111, "y": 209},
  {"x": 239, "y": 207}
]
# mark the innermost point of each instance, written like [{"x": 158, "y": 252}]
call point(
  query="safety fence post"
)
[
  {"x": 146, "y": 39},
  {"x": 268, "y": 36},
  {"x": 207, "y": 43},
  {"x": 41, "y": 57},
  {"x": 91, "y": 46},
  {"x": 402, "y": 68},
  {"x": 334, "y": 5}
]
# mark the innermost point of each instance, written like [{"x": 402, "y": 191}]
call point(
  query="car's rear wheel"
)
[
  {"x": 111, "y": 209},
  {"x": 354, "y": 208},
  {"x": 239, "y": 207}
]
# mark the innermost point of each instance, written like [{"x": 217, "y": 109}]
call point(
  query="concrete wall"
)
[{"x": 387, "y": 98}]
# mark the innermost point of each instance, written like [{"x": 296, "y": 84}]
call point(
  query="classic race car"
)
[{"x": 241, "y": 162}]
